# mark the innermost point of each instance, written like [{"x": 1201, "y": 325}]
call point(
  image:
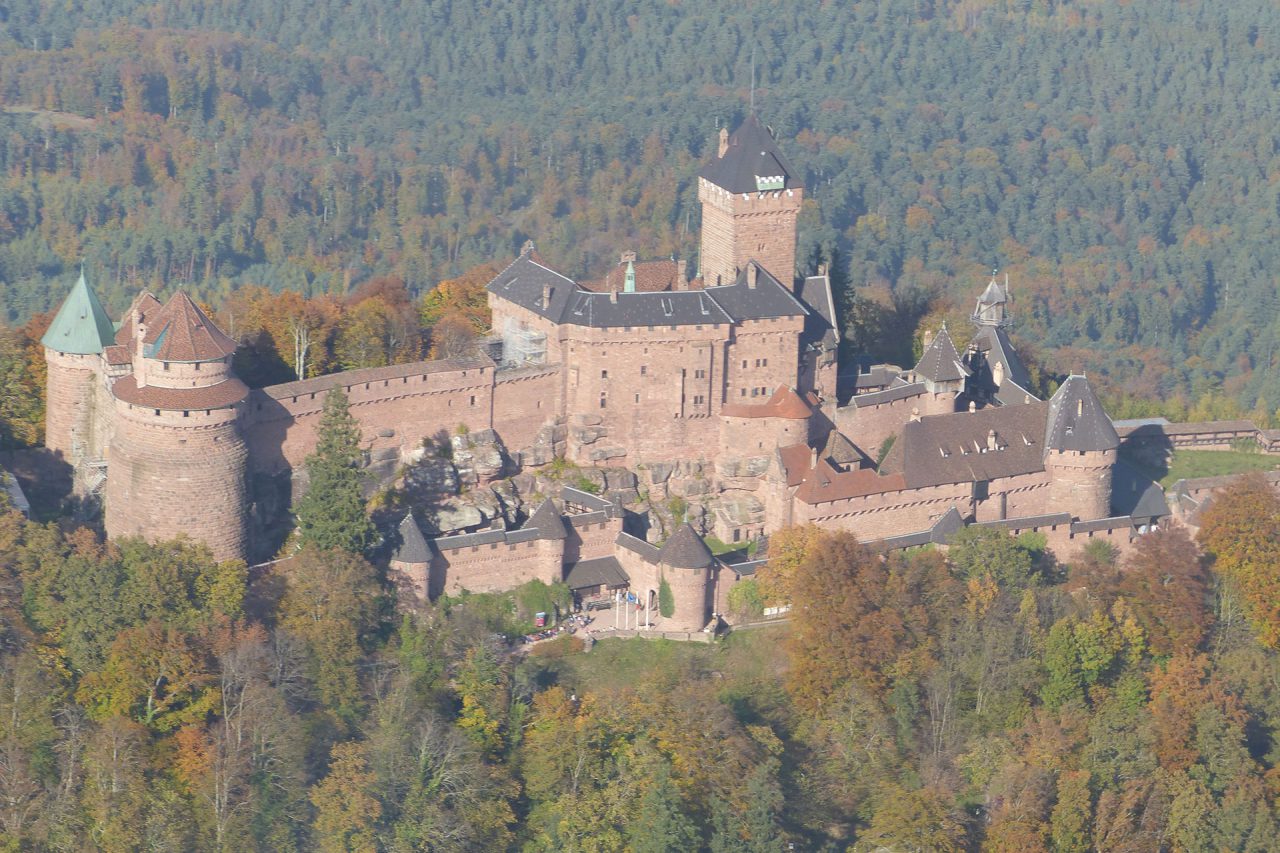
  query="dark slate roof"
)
[
  {"x": 413, "y": 547},
  {"x": 888, "y": 395},
  {"x": 994, "y": 342},
  {"x": 523, "y": 281},
  {"x": 81, "y": 326},
  {"x": 941, "y": 362},
  {"x": 638, "y": 546},
  {"x": 953, "y": 448},
  {"x": 605, "y": 571},
  {"x": 767, "y": 300},
  {"x": 585, "y": 499},
  {"x": 671, "y": 308},
  {"x": 820, "y": 325},
  {"x": 1076, "y": 419},
  {"x": 752, "y": 153},
  {"x": 993, "y": 295},
  {"x": 1135, "y": 494},
  {"x": 547, "y": 521},
  {"x": 686, "y": 550}
]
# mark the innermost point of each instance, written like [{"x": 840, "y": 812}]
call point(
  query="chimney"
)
[
  {"x": 822, "y": 269},
  {"x": 991, "y": 440},
  {"x": 973, "y": 407},
  {"x": 751, "y": 275},
  {"x": 915, "y": 414},
  {"x": 613, "y": 297},
  {"x": 997, "y": 373},
  {"x": 724, "y": 141},
  {"x": 928, "y": 338},
  {"x": 546, "y": 296},
  {"x": 139, "y": 334},
  {"x": 813, "y": 458},
  {"x": 682, "y": 278},
  {"x": 527, "y": 248},
  {"x": 1080, "y": 408}
]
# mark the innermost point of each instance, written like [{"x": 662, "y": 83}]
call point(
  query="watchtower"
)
[
  {"x": 176, "y": 461},
  {"x": 1079, "y": 451},
  {"x": 73, "y": 350},
  {"x": 750, "y": 198}
]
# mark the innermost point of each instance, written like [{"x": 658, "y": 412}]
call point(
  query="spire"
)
[
  {"x": 992, "y": 308},
  {"x": 413, "y": 548},
  {"x": 81, "y": 326}
]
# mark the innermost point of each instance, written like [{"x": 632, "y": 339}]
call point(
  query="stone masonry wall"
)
[
  {"x": 172, "y": 475},
  {"x": 493, "y": 568},
  {"x": 737, "y": 228},
  {"x": 763, "y": 354},
  {"x": 523, "y": 402},
  {"x": 70, "y": 403},
  {"x": 869, "y": 427},
  {"x": 394, "y": 414},
  {"x": 1081, "y": 482}
]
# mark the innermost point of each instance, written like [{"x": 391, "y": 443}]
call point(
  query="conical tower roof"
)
[
  {"x": 547, "y": 521},
  {"x": 751, "y": 157},
  {"x": 182, "y": 332},
  {"x": 1077, "y": 421},
  {"x": 81, "y": 325},
  {"x": 686, "y": 550},
  {"x": 413, "y": 548},
  {"x": 940, "y": 362}
]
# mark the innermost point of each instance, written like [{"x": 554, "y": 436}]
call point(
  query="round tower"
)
[
  {"x": 686, "y": 565},
  {"x": 73, "y": 349},
  {"x": 1079, "y": 452},
  {"x": 177, "y": 462}
]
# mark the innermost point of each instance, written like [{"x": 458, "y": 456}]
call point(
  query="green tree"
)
[
  {"x": 666, "y": 600},
  {"x": 332, "y": 512},
  {"x": 661, "y": 825}
]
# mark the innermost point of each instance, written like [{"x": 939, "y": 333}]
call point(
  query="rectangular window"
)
[
  {"x": 473, "y": 399},
  {"x": 166, "y": 367},
  {"x": 603, "y": 401},
  {"x": 698, "y": 399},
  {"x": 644, "y": 370},
  {"x": 637, "y": 398},
  {"x": 744, "y": 364},
  {"x": 699, "y": 374},
  {"x": 604, "y": 374},
  {"x": 197, "y": 365}
]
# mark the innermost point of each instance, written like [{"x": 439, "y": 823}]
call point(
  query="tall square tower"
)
[{"x": 750, "y": 198}]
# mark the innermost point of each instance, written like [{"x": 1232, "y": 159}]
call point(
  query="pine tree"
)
[
  {"x": 662, "y": 826},
  {"x": 332, "y": 512}
]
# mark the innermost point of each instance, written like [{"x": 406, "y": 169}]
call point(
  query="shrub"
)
[{"x": 666, "y": 600}]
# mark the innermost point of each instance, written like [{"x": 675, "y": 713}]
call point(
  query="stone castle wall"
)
[
  {"x": 398, "y": 408},
  {"x": 762, "y": 355},
  {"x": 495, "y": 567},
  {"x": 1080, "y": 483},
  {"x": 174, "y": 474},
  {"x": 869, "y": 426}
]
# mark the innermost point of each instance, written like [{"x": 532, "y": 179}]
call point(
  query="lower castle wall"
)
[
  {"x": 496, "y": 567},
  {"x": 524, "y": 400},
  {"x": 589, "y": 541}
]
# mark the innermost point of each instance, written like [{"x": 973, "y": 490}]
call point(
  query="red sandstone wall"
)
[
  {"x": 70, "y": 403},
  {"x": 171, "y": 475},
  {"x": 588, "y": 541},
  {"x": 523, "y": 401},
  {"x": 760, "y": 226},
  {"x": 1081, "y": 482},
  {"x": 494, "y": 568},
  {"x": 869, "y": 427},
  {"x": 692, "y": 590},
  {"x": 281, "y": 432},
  {"x": 763, "y": 354}
]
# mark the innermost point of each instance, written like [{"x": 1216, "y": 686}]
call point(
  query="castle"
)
[{"x": 718, "y": 389}]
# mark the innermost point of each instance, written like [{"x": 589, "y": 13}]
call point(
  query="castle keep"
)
[{"x": 718, "y": 390}]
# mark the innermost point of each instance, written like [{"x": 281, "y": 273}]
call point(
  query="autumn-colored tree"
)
[
  {"x": 915, "y": 821},
  {"x": 1241, "y": 530},
  {"x": 788, "y": 550},
  {"x": 156, "y": 675},
  {"x": 1165, "y": 584},
  {"x": 848, "y": 624},
  {"x": 347, "y": 812}
]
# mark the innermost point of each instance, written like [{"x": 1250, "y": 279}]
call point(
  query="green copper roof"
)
[{"x": 82, "y": 325}]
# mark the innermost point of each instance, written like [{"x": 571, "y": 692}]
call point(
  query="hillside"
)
[{"x": 1117, "y": 159}]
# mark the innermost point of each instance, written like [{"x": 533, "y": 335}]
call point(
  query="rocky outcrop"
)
[{"x": 479, "y": 457}]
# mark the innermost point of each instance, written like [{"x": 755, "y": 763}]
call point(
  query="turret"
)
[
  {"x": 411, "y": 563},
  {"x": 1079, "y": 451},
  {"x": 73, "y": 349},
  {"x": 176, "y": 461},
  {"x": 942, "y": 373},
  {"x": 751, "y": 196},
  {"x": 992, "y": 308},
  {"x": 686, "y": 565}
]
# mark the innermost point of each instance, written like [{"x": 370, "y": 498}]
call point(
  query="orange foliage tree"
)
[{"x": 1241, "y": 529}]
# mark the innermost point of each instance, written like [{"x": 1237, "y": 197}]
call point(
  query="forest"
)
[
  {"x": 986, "y": 698},
  {"x": 1117, "y": 159}
]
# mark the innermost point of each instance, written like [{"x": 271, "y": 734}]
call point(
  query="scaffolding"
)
[{"x": 522, "y": 345}]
